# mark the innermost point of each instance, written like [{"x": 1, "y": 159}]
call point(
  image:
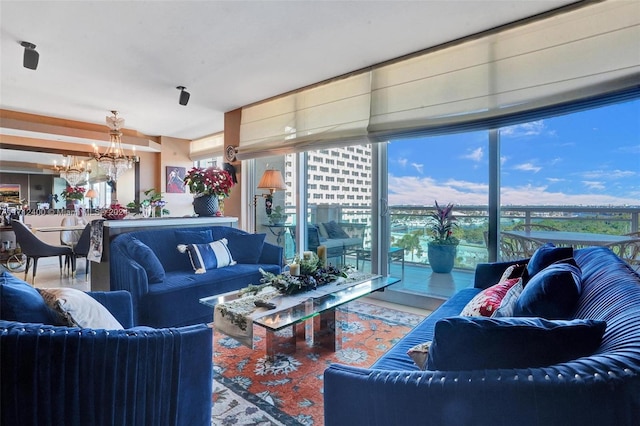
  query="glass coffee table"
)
[{"x": 320, "y": 310}]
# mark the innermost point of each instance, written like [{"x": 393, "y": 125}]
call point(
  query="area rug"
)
[{"x": 250, "y": 389}]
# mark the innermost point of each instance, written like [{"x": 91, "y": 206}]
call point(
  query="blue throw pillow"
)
[
  {"x": 552, "y": 293},
  {"x": 194, "y": 237},
  {"x": 545, "y": 256},
  {"x": 21, "y": 302},
  {"x": 246, "y": 248},
  {"x": 479, "y": 343},
  {"x": 334, "y": 230},
  {"x": 214, "y": 255},
  {"x": 141, "y": 253}
]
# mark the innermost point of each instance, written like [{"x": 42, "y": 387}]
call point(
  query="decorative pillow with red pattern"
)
[{"x": 488, "y": 300}]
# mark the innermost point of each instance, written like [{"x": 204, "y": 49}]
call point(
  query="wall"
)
[
  {"x": 35, "y": 188},
  {"x": 175, "y": 153}
]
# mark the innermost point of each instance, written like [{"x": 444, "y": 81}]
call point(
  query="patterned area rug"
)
[{"x": 249, "y": 389}]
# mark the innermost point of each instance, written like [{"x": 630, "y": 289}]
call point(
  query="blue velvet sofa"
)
[
  {"x": 61, "y": 375},
  {"x": 163, "y": 284},
  {"x": 602, "y": 388}
]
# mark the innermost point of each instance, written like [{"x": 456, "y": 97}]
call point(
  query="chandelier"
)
[
  {"x": 74, "y": 172},
  {"x": 114, "y": 161}
]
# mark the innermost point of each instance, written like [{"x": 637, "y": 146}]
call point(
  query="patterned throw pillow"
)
[
  {"x": 419, "y": 354},
  {"x": 485, "y": 303},
  {"x": 79, "y": 309},
  {"x": 213, "y": 255},
  {"x": 508, "y": 303}
]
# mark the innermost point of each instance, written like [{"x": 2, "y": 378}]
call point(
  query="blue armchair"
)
[{"x": 137, "y": 376}]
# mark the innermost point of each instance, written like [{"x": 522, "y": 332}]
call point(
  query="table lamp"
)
[
  {"x": 273, "y": 181},
  {"x": 91, "y": 194}
]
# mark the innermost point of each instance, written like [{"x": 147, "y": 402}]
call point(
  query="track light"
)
[
  {"x": 184, "y": 95},
  {"x": 30, "y": 59}
]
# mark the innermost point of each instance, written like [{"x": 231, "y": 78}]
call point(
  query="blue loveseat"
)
[
  {"x": 602, "y": 388},
  {"x": 163, "y": 284},
  {"x": 57, "y": 374}
]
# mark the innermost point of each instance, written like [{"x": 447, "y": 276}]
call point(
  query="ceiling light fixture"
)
[
  {"x": 184, "y": 95},
  {"x": 114, "y": 161},
  {"x": 30, "y": 57},
  {"x": 74, "y": 172}
]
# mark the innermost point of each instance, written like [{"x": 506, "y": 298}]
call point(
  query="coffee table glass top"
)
[{"x": 278, "y": 319}]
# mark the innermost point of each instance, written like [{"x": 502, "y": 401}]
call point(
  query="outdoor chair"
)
[
  {"x": 532, "y": 226},
  {"x": 516, "y": 248},
  {"x": 34, "y": 248},
  {"x": 629, "y": 251}
]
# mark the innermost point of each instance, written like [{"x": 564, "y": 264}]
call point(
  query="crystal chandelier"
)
[
  {"x": 114, "y": 161},
  {"x": 74, "y": 172}
]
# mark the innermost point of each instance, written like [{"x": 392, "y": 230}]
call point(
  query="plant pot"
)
[
  {"x": 441, "y": 257},
  {"x": 206, "y": 205}
]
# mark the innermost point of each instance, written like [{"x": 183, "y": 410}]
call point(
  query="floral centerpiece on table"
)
[
  {"x": 209, "y": 181},
  {"x": 73, "y": 193},
  {"x": 443, "y": 222},
  {"x": 115, "y": 212},
  {"x": 313, "y": 274}
]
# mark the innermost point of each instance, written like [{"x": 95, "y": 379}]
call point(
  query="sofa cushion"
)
[
  {"x": 80, "y": 309},
  {"x": 21, "y": 302},
  {"x": 478, "y": 343},
  {"x": 246, "y": 248},
  {"x": 141, "y": 253},
  {"x": 545, "y": 256},
  {"x": 552, "y": 293},
  {"x": 213, "y": 255},
  {"x": 488, "y": 300},
  {"x": 334, "y": 230}
]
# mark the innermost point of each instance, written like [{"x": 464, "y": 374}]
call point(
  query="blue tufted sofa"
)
[
  {"x": 162, "y": 282},
  {"x": 600, "y": 389},
  {"x": 55, "y": 375}
]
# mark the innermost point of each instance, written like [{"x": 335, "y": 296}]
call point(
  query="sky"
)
[{"x": 586, "y": 158}]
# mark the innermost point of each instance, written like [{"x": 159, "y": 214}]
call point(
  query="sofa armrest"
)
[
  {"x": 127, "y": 274},
  {"x": 271, "y": 254},
  {"x": 488, "y": 274},
  {"x": 118, "y": 303},
  {"x": 99, "y": 377}
]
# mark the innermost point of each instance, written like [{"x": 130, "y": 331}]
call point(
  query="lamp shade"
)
[
  {"x": 272, "y": 180},
  {"x": 92, "y": 193}
]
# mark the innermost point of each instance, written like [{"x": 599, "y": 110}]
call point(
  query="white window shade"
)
[
  {"x": 207, "y": 147},
  {"x": 587, "y": 52},
  {"x": 328, "y": 115}
]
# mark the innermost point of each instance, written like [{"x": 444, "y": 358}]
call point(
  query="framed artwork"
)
[
  {"x": 175, "y": 179},
  {"x": 10, "y": 193}
]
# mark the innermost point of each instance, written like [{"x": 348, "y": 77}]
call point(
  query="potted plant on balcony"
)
[
  {"x": 278, "y": 216},
  {"x": 208, "y": 186},
  {"x": 442, "y": 249}
]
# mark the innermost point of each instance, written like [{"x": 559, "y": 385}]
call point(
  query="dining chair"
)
[
  {"x": 34, "y": 248},
  {"x": 81, "y": 249},
  {"x": 70, "y": 238}
]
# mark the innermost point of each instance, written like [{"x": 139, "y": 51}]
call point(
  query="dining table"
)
[{"x": 571, "y": 238}]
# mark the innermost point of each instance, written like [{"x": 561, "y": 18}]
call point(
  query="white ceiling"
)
[{"x": 97, "y": 56}]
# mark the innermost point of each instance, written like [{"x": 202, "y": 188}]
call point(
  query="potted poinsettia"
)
[
  {"x": 73, "y": 195},
  {"x": 208, "y": 186},
  {"x": 443, "y": 246}
]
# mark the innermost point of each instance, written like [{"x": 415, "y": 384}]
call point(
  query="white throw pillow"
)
[{"x": 80, "y": 309}]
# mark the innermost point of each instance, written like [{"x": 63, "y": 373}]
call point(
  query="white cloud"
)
[
  {"x": 528, "y": 167},
  {"x": 419, "y": 167},
  {"x": 592, "y": 184},
  {"x": 555, "y": 180},
  {"x": 608, "y": 174},
  {"x": 475, "y": 155},
  {"x": 503, "y": 160},
  {"x": 403, "y": 162},
  {"x": 422, "y": 191},
  {"x": 533, "y": 128}
]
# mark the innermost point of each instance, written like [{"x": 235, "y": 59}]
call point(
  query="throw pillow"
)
[
  {"x": 80, "y": 309},
  {"x": 478, "y": 343},
  {"x": 488, "y": 300},
  {"x": 509, "y": 300},
  {"x": 246, "y": 248},
  {"x": 334, "y": 230},
  {"x": 419, "y": 354},
  {"x": 552, "y": 293},
  {"x": 545, "y": 256},
  {"x": 213, "y": 255},
  {"x": 21, "y": 302},
  {"x": 513, "y": 271},
  {"x": 193, "y": 237},
  {"x": 141, "y": 253}
]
